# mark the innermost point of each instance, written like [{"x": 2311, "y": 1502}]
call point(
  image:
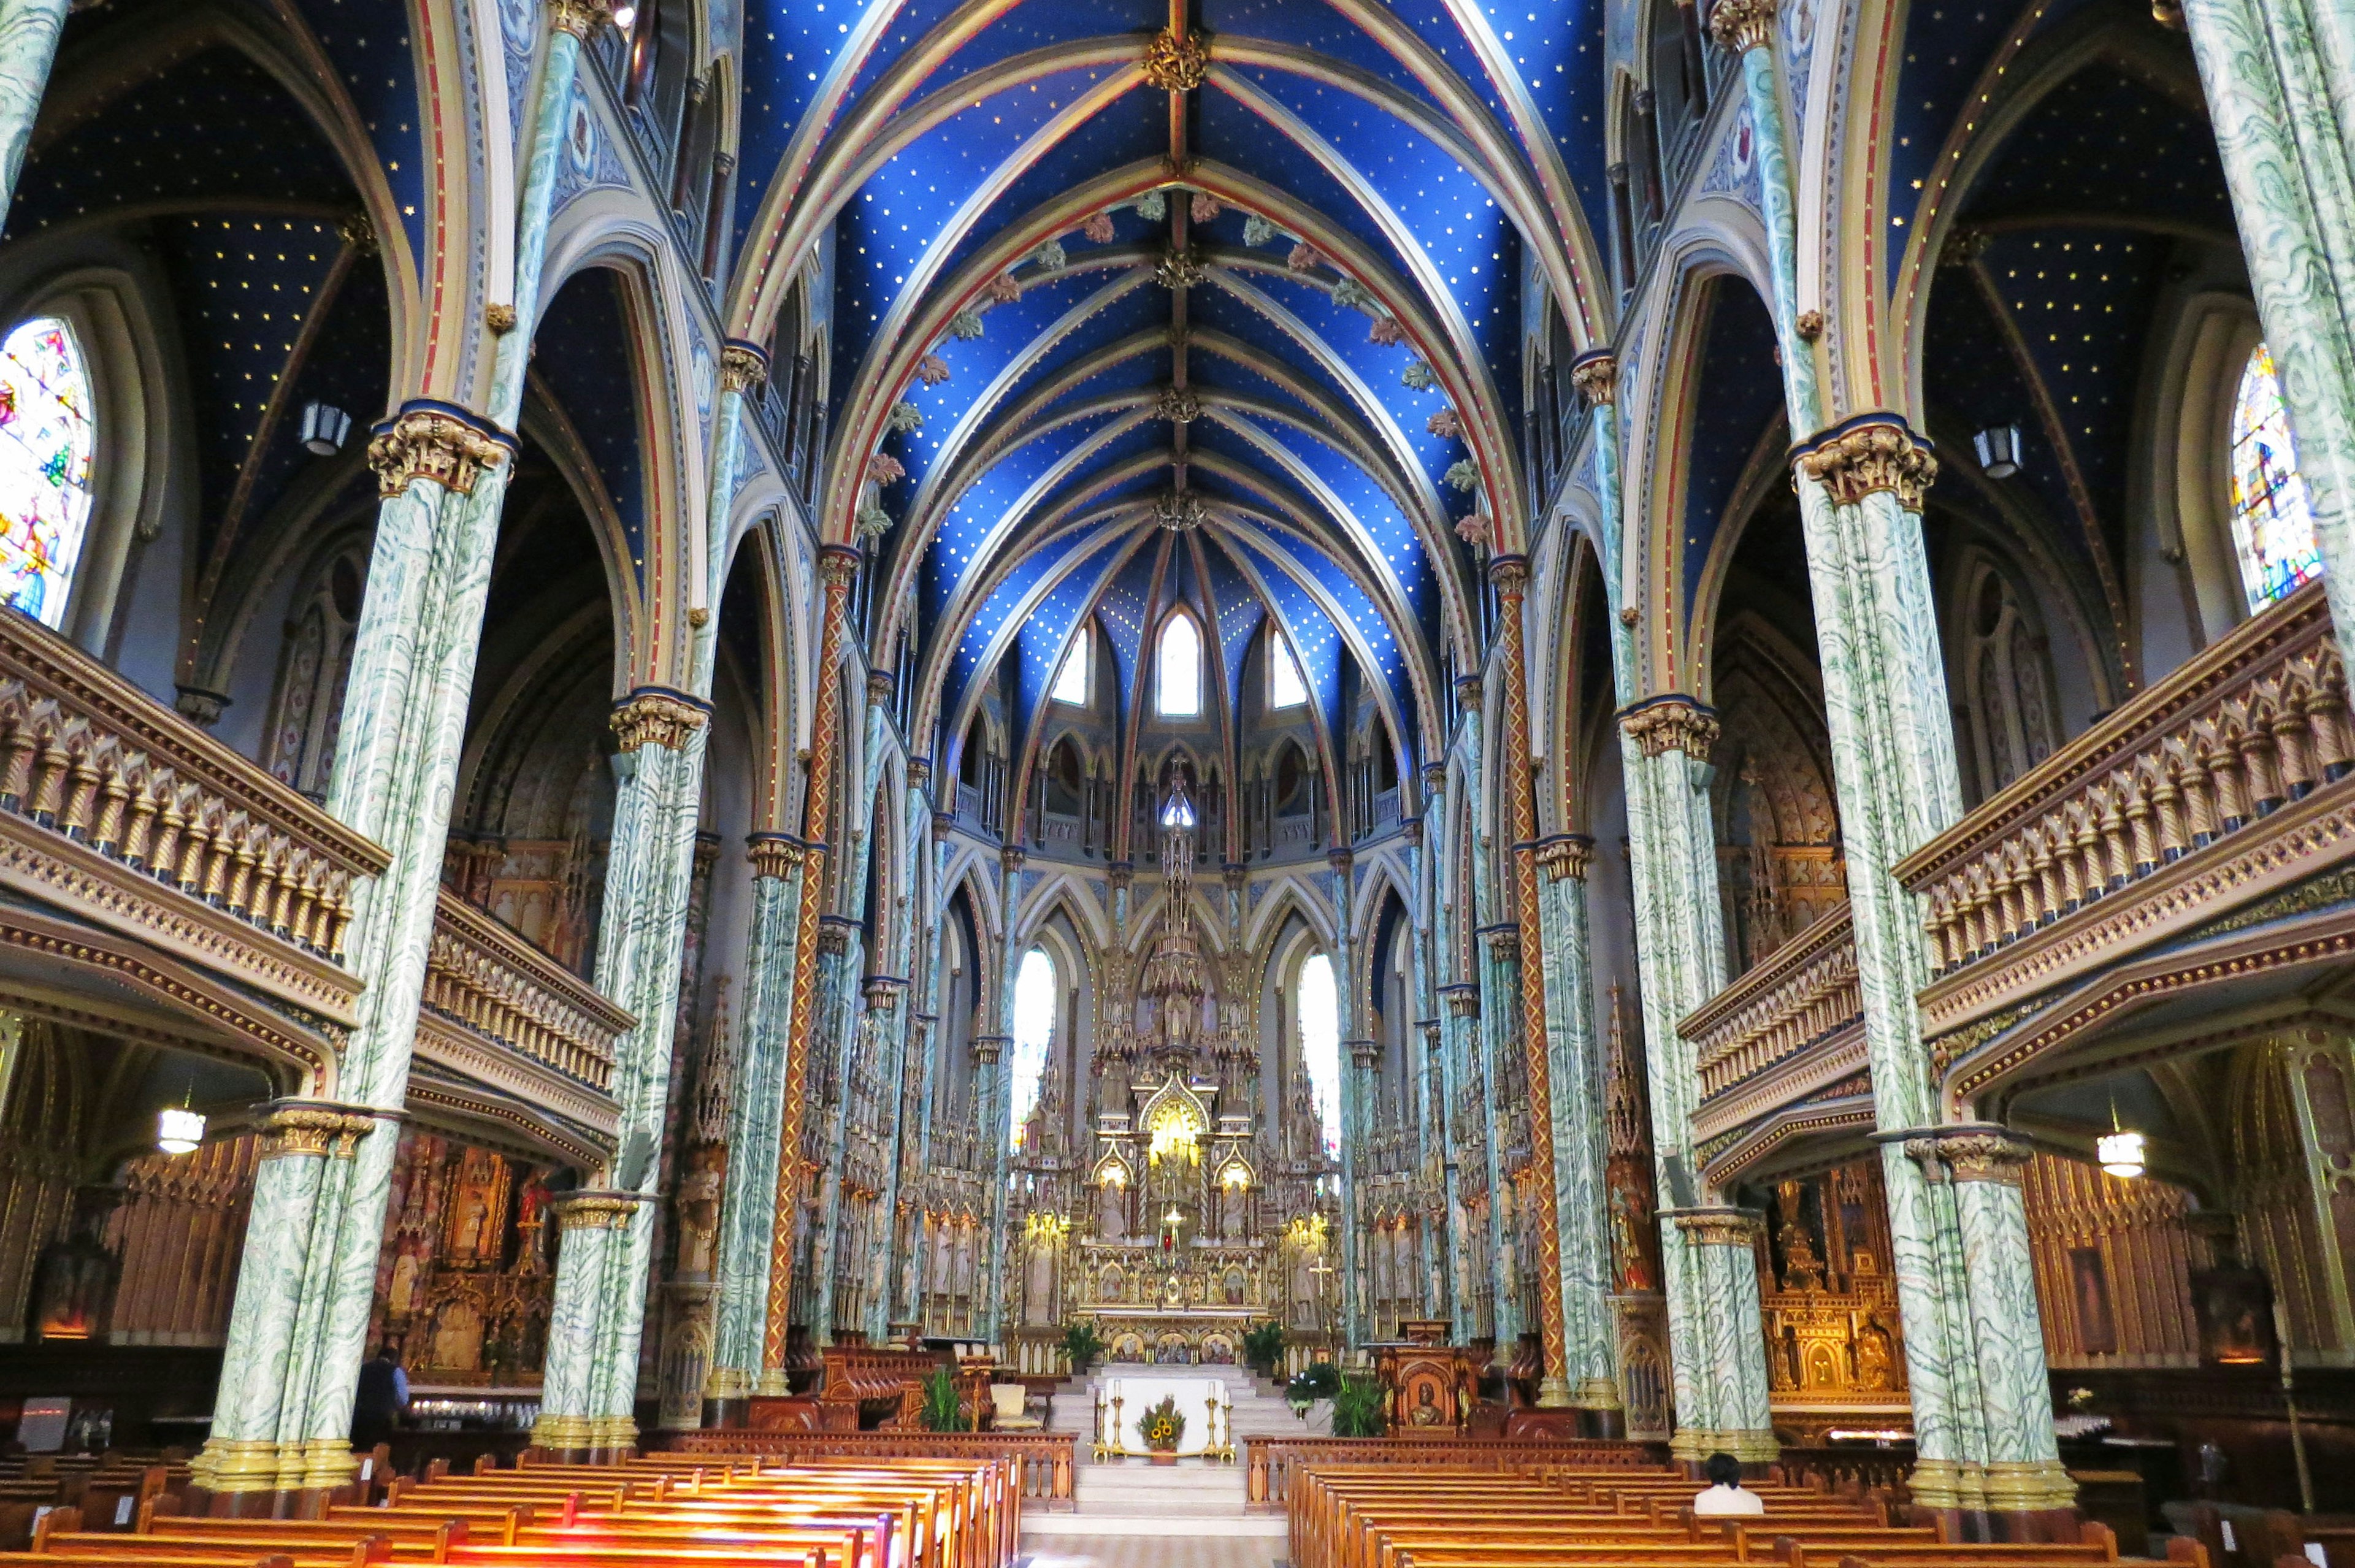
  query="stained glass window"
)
[
  {"x": 2273, "y": 525},
  {"x": 1180, "y": 688},
  {"x": 1034, "y": 1027},
  {"x": 1072, "y": 680},
  {"x": 1320, "y": 1044},
  {"x": 1285, "y": 686},
  {"x": 46, "y": 440}
]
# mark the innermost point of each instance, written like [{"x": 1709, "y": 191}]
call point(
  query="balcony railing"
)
[
  {"x": 2255, "y": 722},
  {"x": 117, "y": 810},
  {"x": 490, "y": 980},
  {"x": 1805, "y": 992}
]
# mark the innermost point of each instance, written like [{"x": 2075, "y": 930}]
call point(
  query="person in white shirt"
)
[{"x": 1725, "y": 1494}]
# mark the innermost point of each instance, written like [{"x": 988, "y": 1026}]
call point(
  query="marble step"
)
[
  {"x": 1188, "y": 1477},
  {"x": 1263, "y": 1527}
]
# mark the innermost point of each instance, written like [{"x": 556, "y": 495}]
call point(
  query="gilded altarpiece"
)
[
  {"x": 467, "y": 1275},
  {"x": 1827, "y": 1291}
]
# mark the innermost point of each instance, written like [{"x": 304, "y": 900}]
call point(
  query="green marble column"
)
[
  {"x": 1423, "y": 1049},
  {"x": 1353, "y": 1109},
  {"x": 996, "y": 1105},
  {"x": 1981, "y": 1167},
  {"x": 2283, "y": 134},
  {"x": 747, "y": 1206},
  {"x": 928, "y": 1071},
  {"x": 590, "y": 1227},
  {"x": 901, "y": 1025},
  {"x": 1716, "y": 1274},
  {"x": 1590, "y": 1342},
  {"x": 28, "y": 45},
  {"x": 1499, "y": 957},
  {"x": 842, "y": 955}
]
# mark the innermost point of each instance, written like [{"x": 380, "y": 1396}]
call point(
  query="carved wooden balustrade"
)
[
  {"x": 1803, "y": 994},
  {"x": 488, "y": 979},
  {"x": 117, "y": 810},
  {"x": 2256, "y": 722}
]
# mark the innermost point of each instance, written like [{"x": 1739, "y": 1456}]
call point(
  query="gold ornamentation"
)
[
  {"x": 1173, "y": 64},
  {"x": 357, "y": 230},
  {"x": 1629, "y": 616},
  {"x": 1722, "y": 1227},
  {"x": 838, "y": 564},
  {"x": 1671, "y": 724},
  {"x": 1179, "y": 512},
  {"x": 429, "y": 443},
  {"x": 1178, "y": 270},
  {"x": 581, "y": 19},
  {"x": 772, "y": 855},
  {"x": 1504, "y": 942},
  {"x": 499, "y": 318},
  {"x": 655, "y": 718},
  {"x": 1596, "y": 377},
  {"x": 315, "y": 1129},
  {"x": 1810, "y": 325},
  {"x": 1510, "y": 573},
  {"x": 1178, "y": 405},
  {"x": 1011, "y": 856},
  {"x": 596, "y": 1212},
  {"x": 742, "y": 366},
  {"x": 1741, "y": 25},
  {"x": 1569, "y": 856},
  {"x": 1971, "y": 1154},
  {"x": 1872, "y": 453}
]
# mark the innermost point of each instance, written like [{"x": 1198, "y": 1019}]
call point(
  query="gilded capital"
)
[
  {"x": 919, "y": 771},
  {"x": 1979, "y": 1152},
  {"x": 742, "y": 366},
  {"x": 1173, "y": 64},
  {"x": 1011, "y": 858},
  {"x": 651, "y": 716},
  {"x": 1504, "y": 942},
  {"x": 1720, "y": 1227},
  {"x": 1675, "y": 723},
  {"x": 1741, "y": 25},
  {"x": 315, "y": 1127},
  {"x": 838, "y": 563},
  {"x": 596, "y": 1210},
  {"x": 1567, "y": 856},
  {"x": 1364, "y": 1052},
  {"x": 1463, "y": 999},
  {"x": 1869, "y": 453},
  {"x": 432, "y": 442},
  {"x": 1595, "y": 375},
  {"x": 879, "y": 687},
  {"x": 581, "y": 19},
  {"x": 773, "y": 854},
  {"x": 1510, "y": 573},
  {"x": 1178, "y": 405}
]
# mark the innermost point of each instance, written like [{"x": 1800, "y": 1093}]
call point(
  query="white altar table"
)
[{"x": 1122, "y": 1403}]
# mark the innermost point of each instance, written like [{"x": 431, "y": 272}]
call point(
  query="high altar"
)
[{"x": 1189, "y": 1217}]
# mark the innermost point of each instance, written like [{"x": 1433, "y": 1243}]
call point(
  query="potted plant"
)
[
  {"x": 1318, "y": 1380},
  {"x": 1081, "y": 1344},
  {"x": 943, "y": 1408},
  {"x": 1358, "y": 1408},
  {"x": 1164, "y": 1429},
  {"x": 1263, "y": 1347}
]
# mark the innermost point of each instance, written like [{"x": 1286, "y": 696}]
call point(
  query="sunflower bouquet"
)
[{"x": 1163, "y": 1428}]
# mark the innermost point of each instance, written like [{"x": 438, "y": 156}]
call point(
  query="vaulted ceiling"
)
[{"x": 1121, "y": 321}]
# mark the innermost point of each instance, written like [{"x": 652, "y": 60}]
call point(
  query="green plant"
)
[
  {"x": 1081, "y": 1344},
  {"x": 1358, "y": 1408},
  {"x": 1163, "y": 1428},
  {"x": 1320, "y": 1380},
  {"x": 1263, "y": 1346},
  {"x": 944, "y": 1410}
]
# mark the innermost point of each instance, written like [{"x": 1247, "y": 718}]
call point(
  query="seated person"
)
[{"x": 1725, "y": 1494}]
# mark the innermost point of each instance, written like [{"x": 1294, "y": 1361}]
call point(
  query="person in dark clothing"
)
[{"x": 381, "y": 1399}]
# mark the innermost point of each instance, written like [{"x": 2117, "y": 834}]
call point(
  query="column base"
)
[
  {"x": 1553, "y": 1393},
  {"x": 1755, "y": 1447},
  {"x": 612, "y": 1438},
  {"x": 567, "y": 1439},
  {"x": 232, "y": 1468},
  {"x": 2031, "y": 1501}
]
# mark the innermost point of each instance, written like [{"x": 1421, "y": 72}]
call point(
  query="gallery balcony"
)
[
  {"x": 2176, "y": 878},
  {"x": 158, "y": 886}
]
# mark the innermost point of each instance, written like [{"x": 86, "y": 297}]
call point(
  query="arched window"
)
[
  {"x": 1034, "y": 1030},
  {"x": 1285, "y": 686},
  {"x": 1072, "y": 680},
  {"x": 1179, "y": 692},
  {"x": 313, "y": 668},
  {"x": 1320, "y": 1043},
  {"x": 47, "y": 437},
  {"x": 2273, "y": 525}
]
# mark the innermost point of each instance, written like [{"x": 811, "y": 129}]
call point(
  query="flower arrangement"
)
[{"x": 1163, "y": 1428}]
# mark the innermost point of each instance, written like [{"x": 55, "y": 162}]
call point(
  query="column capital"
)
[
  {"x": 1510, "y": 573},
  {"x": 1435, "y": 1036},
  {"x": 1566, "y": 855},
  {"x": 1341, "y": 860},
  {"x": 1120, "y": 873},
  {"x": 1673, "y": 722},
  {"x": 581, "y": 19},
  {"x": 882, "y": 992},
  {"x": 597, "y": 1211},
  {"x": 773, "y": 854},
  {"x": 1010, "y": 858},
  {"x": 316, "y": 1127},
  {"x": 1741, "y": 25},
  {"x": 943, "y": 821},
  {"x": 1467, "y": 690},
  {"x": 1364, "y": 1052},
  {"x": 1235, "y": 874},
  {"x": 436, "y": 441},
  {"x": 919, "y": 771},
  {"x": 658, "y": 716},
  {"x": 1719, "y": 1227},
  {"x": 834, "y": 932},
  {"x": 1870, "y": 453},
  {"x": 1503, "y": 940},
  {"x": 742, "y": 366},
  {"x": 1595, "y": 375},
  {"x": 1435, "y": 777},
  {"x": 986, "y": 1048},
  {"x": 1463, "y": 998},
  {"x": 1967, "y": 1151},
  {"x": 879, "y": 687},
  {"x": 838, "y": 563}
]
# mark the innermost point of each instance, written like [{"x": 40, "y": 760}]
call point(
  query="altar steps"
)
[{"x": 1138, "y": 1498}]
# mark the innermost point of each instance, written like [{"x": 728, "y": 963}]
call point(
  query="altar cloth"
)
[{"x": 1122, "y": 1403}]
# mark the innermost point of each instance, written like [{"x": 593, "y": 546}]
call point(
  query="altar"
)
[{"x": 1124, "y": 1401}]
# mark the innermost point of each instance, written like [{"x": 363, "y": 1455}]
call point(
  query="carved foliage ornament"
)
[
  {"x": 597, "y": 1211},
  {"x": 742, "y": 366},
  {"x": 432, "y": 444},
  {"x": 1739, "y": 26},
  {"x": 315, "y": 1129},
  {"x": 1671, "y": 724},
  {"x": 1174, "y": 64},
  {"x": 1596, "y": 377},
  {"x": 1972, "y": 1154},
  {"x": 581, "y": 19},
  {"x": 1722, "y": 1227},
  {"x": 1178, "y": 405},
  {"x": 772, "y": 855},
  {"x": 1877, "y": 453},
  {"x": 652, "y": 717},
  {"x": 1569, "y": 856}
]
